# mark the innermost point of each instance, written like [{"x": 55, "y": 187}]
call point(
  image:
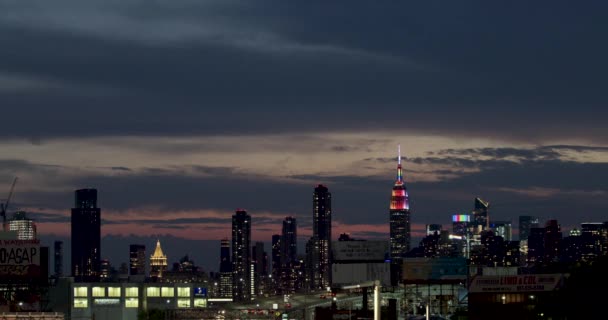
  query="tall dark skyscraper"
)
[
  {"x": 225, "y": 269},
  {"x": 525, "y": 224},
  {"x": 321, "y": 233},
  {"x": 241, "y": 256},
  {"x": 400, "y": 232},
  {"x": 58, "y": 252},
  {"x": 137, "y": 259},
  {"x": 289, "y": 255},
  {"x": 276, "y": 262},
  {"x": 86, "y": 236},
  {"x": 480, "y": 216},
  {"x": 260, "y": 267}
]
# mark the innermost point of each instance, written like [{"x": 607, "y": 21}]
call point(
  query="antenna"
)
[{"x": 399, "y": 153}]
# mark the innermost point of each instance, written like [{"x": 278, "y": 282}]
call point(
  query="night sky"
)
[{"x": 180, "y": 112}]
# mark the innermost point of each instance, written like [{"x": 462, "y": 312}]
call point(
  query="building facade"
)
[
  {"x": 137, "y": 260},
  {"x": 241, "y": 256},
  {"x": 321, "y": 237},
  {"x": 86, "y": 236},
  {"x": 158, "y": 263},
  {"x": 24, "y": 226},
  {"x": 400, "y": 229},
  {"x": 289, "y": 255},
  {"x": 225, "y": 270}
]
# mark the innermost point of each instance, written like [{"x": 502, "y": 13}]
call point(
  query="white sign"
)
[
  {"x": 359, "y": 250},
  {"x": 516, "y": 283},
  {"x": 16, "y": 257}
]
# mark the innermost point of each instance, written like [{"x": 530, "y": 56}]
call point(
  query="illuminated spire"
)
[{"x": 399, "y": 170}]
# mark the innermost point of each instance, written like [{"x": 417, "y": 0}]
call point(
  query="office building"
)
[
  {"x": 400, "y": 232},
  {"x": 481, "y": 219},
  {"x": 321, "y": 237},
  {"x": 525, "y": 224},
  {"x": 137, "y": 260},
  {"x": 25, "y": 227},
  {"x": 241, "y": 256},
  {"x": 225, "y": 269},
  {"x": 58, "y": 260},
  {"x": 433, "y": 229},
  {"x": 158, "y": 263},
  {"x": 289, "y": 255},
  {"x": 86, "y": 236},
  {"x": 502, "y": 229}
]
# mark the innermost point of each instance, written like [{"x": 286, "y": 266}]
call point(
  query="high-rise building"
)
[
  {"x": 260, "y": 268},
  {"x": 289, "y": 255},
  {"x": 536, "y": 246},
  {"x": 525, "y": 224},
  {"x": 58, "y": 262},
  {"x": 225, "y": 269},
  {"x": 502, "y": 229},
  {"x": 25, "y": 227},
  {"x": 321, "y": 232},
  {"x": 104, "y": 273},
  {"x": 433, "y": 229},
  {"x": 553, "y": 238},
  {"x": 86, "y": 236},
  {"x": 137, "y": 259},
  {"x": 480, "y": 216},
  {"x": 400, "y": 231},
  {"x": 241, "y": 256},
  {"x": 276, "y": 263},
  {"x": 460, "y": 224},
  {"x": 158, "y": 262}
]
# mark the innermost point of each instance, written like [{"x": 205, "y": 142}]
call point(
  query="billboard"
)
[
  {"x": 19, "y": 258},
  {"x": 461, "y": 218},
  {"x": 516, "y": 283},
  {"x": 359, "y": 250},
  {"x": 434, "y": 268}
]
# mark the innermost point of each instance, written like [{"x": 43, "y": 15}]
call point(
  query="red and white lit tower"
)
[{"x": 400, "y": 232}]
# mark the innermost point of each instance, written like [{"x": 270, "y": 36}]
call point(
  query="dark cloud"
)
[{"x": 201, "y": 68}]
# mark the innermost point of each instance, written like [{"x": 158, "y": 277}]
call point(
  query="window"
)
[
  {"x": 153, "y": 292},
  {"x": 132, "y": 292},
  {"x": 183, "y": 303},
  {"x": 131, "y": 303},
  {"x": 200, "y": 303},
  {"x": 183, "y": 292},
  {"x": 98, "y": 292},
  {"x": 114, "y": 292},
  {"x": 80, "y": 292},
  {"x": 80, "y": 302},
  {"x": 167, "y": 292}
]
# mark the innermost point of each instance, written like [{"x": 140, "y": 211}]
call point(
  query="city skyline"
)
[{"x": 179, "y": 113}]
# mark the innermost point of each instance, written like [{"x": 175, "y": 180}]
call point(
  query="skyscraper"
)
[
  {"x": 260, "y": 267},
  {"x": 241, "y": 258},
  {"x": 276, "y": 263},
  {"x": 480, "y": 216},
  {"x": 137, "y": 259},
  {"x": 289, "y": 254},
  {"x": 158, "y": 262},
  {"x": 25, "y": 227},
  {"x": 225, "y": 269},
  {"x": 433, "y": 229},
  {"x": 321, "y": 232},
  {"x": 86, "y": 236},
  {"x": 502, "y": 229},
  {"x": 400, "y": 231},
  {"x": 525, "y": 224},
  {"x": 58, "y": 252}
]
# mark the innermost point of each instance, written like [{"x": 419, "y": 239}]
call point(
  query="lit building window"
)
[
  {"x": 153, "y": 292},
  {"x": 80, "y": 303},
  {"x": 114, "y": 292},
  {"x": 98, "y": 292},
  {"x": 132, "y": 292},
  {"x": 200, "y": 303},
  {"x": 183, "y": 303},
  {"x": 183, "y": 292},
  {"x": 131, "y": 303},
  {"x": 167, "y": 292},
  {"x": 80, "y": 292}
]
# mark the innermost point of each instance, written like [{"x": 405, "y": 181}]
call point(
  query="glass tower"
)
[
  {"x": 321, "y": 237},
  {"x": 86, "y": 237}
]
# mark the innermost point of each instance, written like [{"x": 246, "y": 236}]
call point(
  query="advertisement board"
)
[
  {"x": 359, "y": 250},
  {"x": 516, "y": 283},
  {"x": 19, "y": 258}
]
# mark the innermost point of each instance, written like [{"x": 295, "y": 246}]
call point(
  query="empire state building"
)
[{"x": 399, "y": 216}]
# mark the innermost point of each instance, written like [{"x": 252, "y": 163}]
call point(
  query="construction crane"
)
[{"x": 4, "y": 206}]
